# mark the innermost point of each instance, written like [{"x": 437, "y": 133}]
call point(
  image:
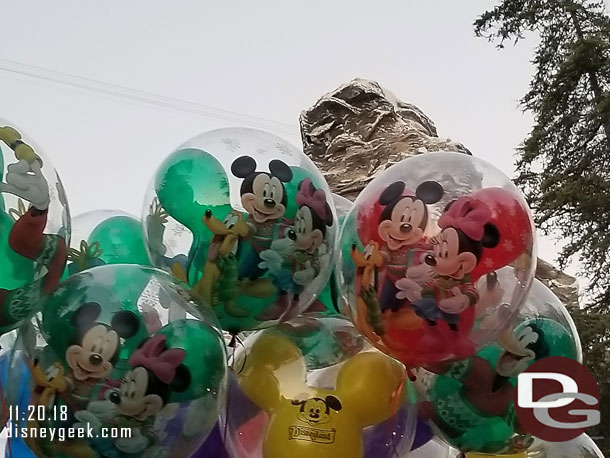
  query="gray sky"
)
[{"x": 268, "y": 58}]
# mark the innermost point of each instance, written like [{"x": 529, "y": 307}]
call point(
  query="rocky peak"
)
[{"x": 357, "y": 130}]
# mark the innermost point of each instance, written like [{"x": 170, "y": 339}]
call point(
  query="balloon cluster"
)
[{"x": 250, "y": 312}]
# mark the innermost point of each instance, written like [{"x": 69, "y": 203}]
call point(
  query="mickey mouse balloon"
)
[
  {"x": 34, "y": 227},
  {"x": 140, "y": 366},
  {"x": 247, "y": 221},
  {"x": 437, "y": 256}
]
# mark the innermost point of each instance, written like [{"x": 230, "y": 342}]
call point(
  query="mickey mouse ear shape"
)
[
  {"x": 430, "y": 192},
  {"x": 86, "y": 314},
  {"x": 391, "y": 193},
  {"x": 367, "y": 383},
  {"x": 243, "y": 166},
  {"x": 125, "y": 323},
  {"x": 280, "y": 170}
]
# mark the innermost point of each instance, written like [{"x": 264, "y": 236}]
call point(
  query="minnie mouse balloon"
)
[
  {"x": 433, "y": 245},
  {"x": 145, "y": 370},
  {"x": 248, "y": 221},
  {"x": 34, "y": 227}
]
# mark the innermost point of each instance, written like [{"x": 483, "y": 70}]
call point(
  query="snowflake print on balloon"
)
[
  {"x": 231, "y": 144},
  {"x": 284, "y": 149}
]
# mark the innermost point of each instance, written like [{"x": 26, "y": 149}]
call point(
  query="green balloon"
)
[
  {"x": 115, "y": 240},
  {"x": 114, "y": 288},
  {"x": 323, "y": 340},
  {"x": 189, "y": 182},
  {"x": 465, "y": 426},
  {"x": 2, "y": 204},
  {"x": 97, "y": 335},
  {"x": 205, "y": 357},
  {"x": 15, "y": 270},
  {"x": 121, "y": 240},
  {"x": 192, "y": 182},
  {"x": 558, "y": 338}
]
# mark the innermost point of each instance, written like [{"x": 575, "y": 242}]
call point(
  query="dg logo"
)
[{"x": 557, "y": 399}]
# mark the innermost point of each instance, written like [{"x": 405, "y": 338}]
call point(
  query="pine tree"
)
[{"x": 564, "y": 163}]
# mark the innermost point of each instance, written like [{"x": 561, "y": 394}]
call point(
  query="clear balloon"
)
[
  {"x": 343, "y": 206},
  {"x": 213, "y": 446},
  {"x": 542, "y": 302},
  {"x": 493, "y": 455},
  {"x": 102, "y": 237},
  {"x": 423, "y": 434},
  {"x": 19, "y": 393},
  {"x": 436, "y": 257},
  {"x": 435, "y": 448},
  {"x": 470, "y": 403},
  {"x": 328, "y": 300},
  {"x": 581, "y": 447},
  {"x": 248, "y": 221},
  {"x": 146, "y": 362},
  {"x": 34, "y": 227},
  {"x": 313, "y": 388}
]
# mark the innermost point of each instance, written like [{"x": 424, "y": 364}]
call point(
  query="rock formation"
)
[
  {"x": 563, "y": 285},
  {"x": 359, "y": 129}
]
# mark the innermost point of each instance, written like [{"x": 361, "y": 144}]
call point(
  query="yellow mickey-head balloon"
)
[{"x": 306, "y": 421}]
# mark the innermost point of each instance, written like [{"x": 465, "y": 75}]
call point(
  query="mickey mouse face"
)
[
  {"x": 262, "y": 194},
  {"x": 404, "y": 218},
  {"x": 96, "y": 345},
  {"x": 91, "y": 359},
  {"x": 264, "y": 203},
  {"x": 307, "y": 237},
  {"x": 316, "y": 411},
  {"x": 406, "y": 224},
  {"x": 132, "y": 398}
]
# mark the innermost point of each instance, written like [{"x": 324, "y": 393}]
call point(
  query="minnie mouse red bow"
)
[
  {"x": 155, "y": 357},
  {"x": 313, "y": 198},
  {"x": 468, "y": 215}
]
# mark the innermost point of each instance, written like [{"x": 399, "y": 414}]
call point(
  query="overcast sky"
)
[{"x": 269, "y": 59}]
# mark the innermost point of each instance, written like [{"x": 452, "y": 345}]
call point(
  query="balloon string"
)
[
  {"x": 8, "y": 438},
  {"x": 243, "y": 365},
  {"x": 225, "y": 433},
  {"x": 395, "y": 400}
]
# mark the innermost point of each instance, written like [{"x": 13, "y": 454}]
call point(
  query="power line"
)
[{"x": 150, "y": 98}]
